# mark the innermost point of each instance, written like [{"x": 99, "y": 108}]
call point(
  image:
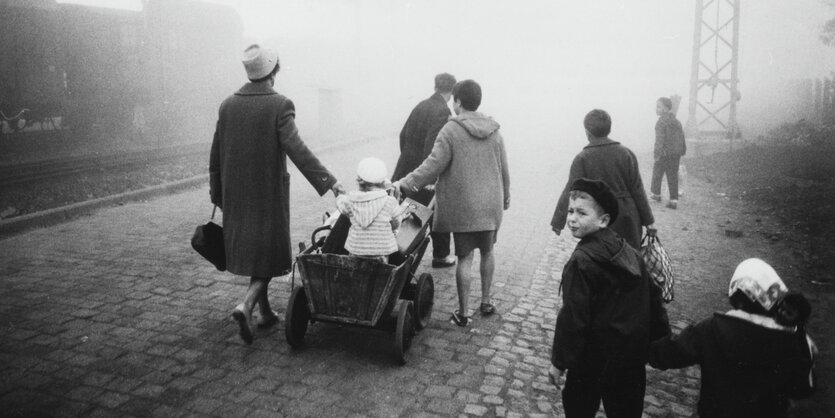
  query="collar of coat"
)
[
  {"x": 760, "y": 320},
  {"x": 599, "y": 142},
  {"x": 255, "y": 89}
]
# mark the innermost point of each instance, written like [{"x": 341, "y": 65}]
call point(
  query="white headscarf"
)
[{"x": 759, "y": 282}]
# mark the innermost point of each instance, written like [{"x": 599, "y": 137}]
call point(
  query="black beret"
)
[{"x": 601, "y": 193}]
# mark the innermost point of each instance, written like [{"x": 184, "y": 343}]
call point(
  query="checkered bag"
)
[{"x": 658, "y": 265}]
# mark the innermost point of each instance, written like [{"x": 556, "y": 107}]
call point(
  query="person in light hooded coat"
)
[
  {"x": 374, "y": 215},
  {"x": 469, "y": 162}
]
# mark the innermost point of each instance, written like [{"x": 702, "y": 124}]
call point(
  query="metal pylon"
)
[{"x": 713, "y": 75}]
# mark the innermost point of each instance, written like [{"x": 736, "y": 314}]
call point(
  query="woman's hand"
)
[{"x": 554, "y": 375}]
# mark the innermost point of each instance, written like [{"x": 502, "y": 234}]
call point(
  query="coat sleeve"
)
[
  {"x": 215, "y": 189},
  {"x": 677, "y": 351},
  {"x": 803, "y": 383},
  {"x": 433, "y": 128},
  {"x": 577, "y": 171},
  {"x": 660, "y": 138},
  {"x": 639, "y": 194},
  {"x": 432, "y": 166},
  {"x": 574, "y": 318},
  {"x": 505, "y": 170},
  {"x": 288, "y": 136}
]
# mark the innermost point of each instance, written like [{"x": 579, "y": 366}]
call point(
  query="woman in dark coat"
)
[
  {"x": 609, "y": 161},
  {"x": 255, "y": 133}
]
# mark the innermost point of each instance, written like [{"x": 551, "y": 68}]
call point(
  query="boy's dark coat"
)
[
  {"x": 669, "y": 137},
  {"x": 747, "y": 370},
  {"x": 611, "y": 309}
]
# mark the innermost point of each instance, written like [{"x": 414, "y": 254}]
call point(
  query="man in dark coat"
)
[
  {"x": 255, "y": 134},
  {"x": 670, "y": 146},
  {"x": 416, "y": 140},
  {"x": 609, "y": 161}
]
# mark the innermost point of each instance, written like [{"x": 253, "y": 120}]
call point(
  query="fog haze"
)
[{"x": 542, "y": 64}]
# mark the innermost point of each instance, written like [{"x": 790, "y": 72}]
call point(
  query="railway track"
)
[{"x": 15, "y": 175}]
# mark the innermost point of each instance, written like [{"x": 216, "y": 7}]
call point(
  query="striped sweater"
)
[{"x": 375, "y": 217}]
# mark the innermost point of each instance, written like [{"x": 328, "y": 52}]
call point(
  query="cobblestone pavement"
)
[{"x": 113, "y": 314}]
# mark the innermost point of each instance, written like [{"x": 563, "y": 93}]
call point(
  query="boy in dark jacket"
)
[
  {"x": 754, "y": 357},
  {"x": 670, "y": 146},
  {"x": 610, "y": 312}
]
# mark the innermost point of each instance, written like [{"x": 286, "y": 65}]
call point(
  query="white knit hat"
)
[
  {"x": 259, "y": 62},
  {"x": 372, "y": 170},
  {"x": 759, "y": 282}
]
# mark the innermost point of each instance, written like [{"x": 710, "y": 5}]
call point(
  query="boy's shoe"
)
[
  {"x": 458, "y": 319},
  {"x": 447, "y": 261},
  {"x": 655, "y": 197},
  {"x": 673, "y": 204},
  {"x": 487, "y": 309}
]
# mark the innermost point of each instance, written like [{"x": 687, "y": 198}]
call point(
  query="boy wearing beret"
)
[{"x": 611, "y": 310}]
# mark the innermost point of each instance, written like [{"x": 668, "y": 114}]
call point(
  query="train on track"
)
[{"x": 161, "y": 70}]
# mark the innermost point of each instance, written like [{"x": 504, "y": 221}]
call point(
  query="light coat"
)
[
  {"x": 256, "y": 132},
  {"x": 469, "y": 162}
]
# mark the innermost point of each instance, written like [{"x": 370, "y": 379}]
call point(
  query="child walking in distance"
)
[
  {"x": 670, "y": 146},
  {"x": 375, "y": 216},
  {"x": 610, "y": 312},
  {"x": 756, "y": 356}
]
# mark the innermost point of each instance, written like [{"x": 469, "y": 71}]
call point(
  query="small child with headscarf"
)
[
  {"x": 374, "y": 214},
  {"x": 754, "y": 357}
]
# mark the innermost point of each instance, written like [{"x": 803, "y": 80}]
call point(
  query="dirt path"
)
[{"x": 780, "y": 225}]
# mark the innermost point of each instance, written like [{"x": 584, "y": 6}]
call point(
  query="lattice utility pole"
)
[{"x": 713, "y": 75}]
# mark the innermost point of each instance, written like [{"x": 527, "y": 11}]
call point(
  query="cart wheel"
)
[
  {"x": 424, "y": 300},
  {"x": 296, "y": 317},
  {"x": 405, "y": 330}
]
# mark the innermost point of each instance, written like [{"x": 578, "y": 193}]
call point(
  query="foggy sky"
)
[{"x": 542, "y": 64}]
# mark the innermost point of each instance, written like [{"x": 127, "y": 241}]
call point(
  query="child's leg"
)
[
  {"x": 657, "y": 175},
  {"x": 623, "y": 391},
  {"x": 581, "y": 394},
  {"x": 672, "y": 177}
]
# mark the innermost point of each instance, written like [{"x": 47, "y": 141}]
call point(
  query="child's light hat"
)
[
  {"x": 259, "y": 61},
  {"x": 759, "y": 282},
  {"x": 372, "y": 170}
]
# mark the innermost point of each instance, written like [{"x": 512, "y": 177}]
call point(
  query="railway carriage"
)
[{"x": 159, "y": 71}]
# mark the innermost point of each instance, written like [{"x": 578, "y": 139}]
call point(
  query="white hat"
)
[
  {"x": 759, "y": 282},
  {"x": 259, "y": 62},
  {"x": 372, "y": 170}
]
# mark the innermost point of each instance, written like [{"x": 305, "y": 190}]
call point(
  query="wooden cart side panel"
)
[{"x": 346, "y": 287}]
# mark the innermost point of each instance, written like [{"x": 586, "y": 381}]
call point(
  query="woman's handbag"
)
[
  {"x": 208, "y": 242},
  {"x": 658, "y": 265}
]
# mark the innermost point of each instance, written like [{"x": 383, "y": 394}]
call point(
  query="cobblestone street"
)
[{"x": 113, "y": 314}]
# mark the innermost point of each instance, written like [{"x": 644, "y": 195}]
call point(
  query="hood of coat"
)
[
  {"x": 609, "y": 249},
  {"x": 476, "y": 124},
  {"x": 365, "y": 206},
  {"x": 751, "y": 340}
]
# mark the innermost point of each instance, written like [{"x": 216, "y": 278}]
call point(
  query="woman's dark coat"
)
[
  {"x": 613, "y": 163},
  {"x": 255, "y": 132}
]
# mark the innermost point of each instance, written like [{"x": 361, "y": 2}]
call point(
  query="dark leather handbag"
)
[{"x": 208, "y": 242}]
